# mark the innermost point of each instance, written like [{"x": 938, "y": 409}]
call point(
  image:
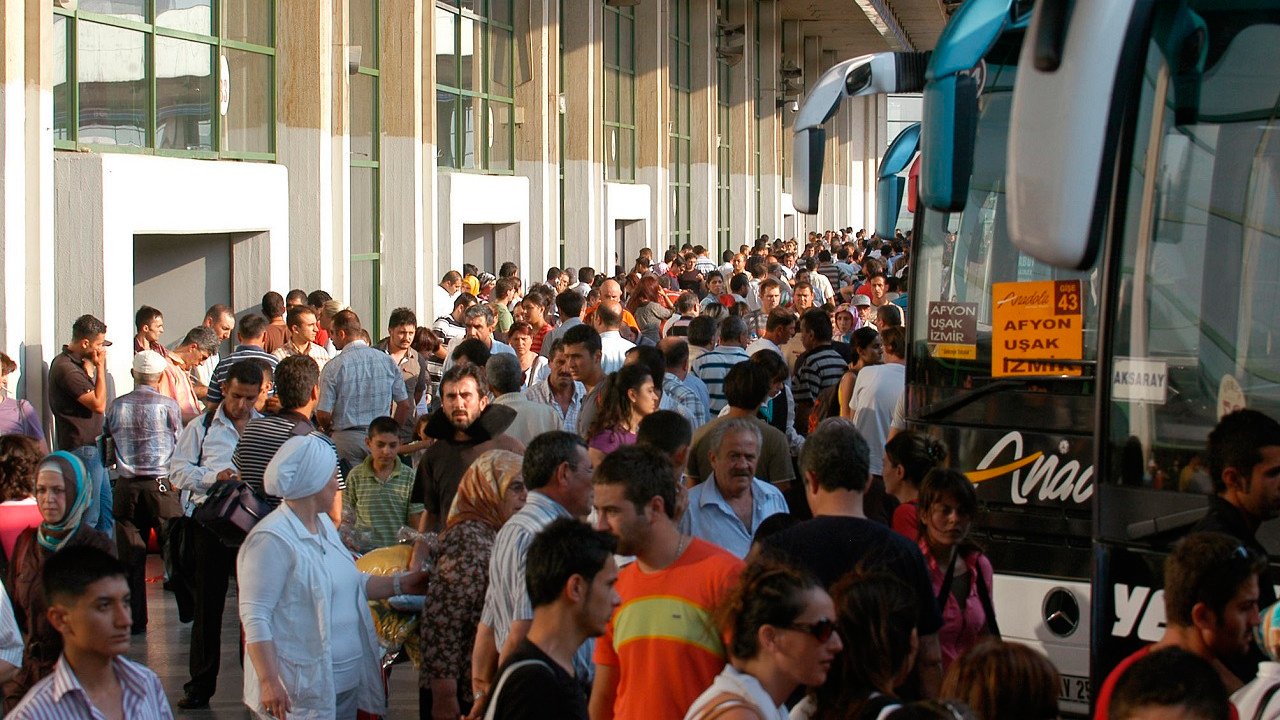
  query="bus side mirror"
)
[
  {"x": 947, "y": 140},
  {"x": 807, "y": 158}
]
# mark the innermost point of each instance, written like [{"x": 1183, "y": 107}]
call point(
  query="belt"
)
[{"x": 161, "y": 481}]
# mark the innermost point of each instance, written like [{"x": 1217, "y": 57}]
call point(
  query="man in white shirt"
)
[
  {"x": 443, "y": 295},
  {"x": 480, "y": 323},
  {"x": 876, "y": 393},
  {"x": 220, "y": 319},
  {"x": 779, "y": 329},
  {"x": 613, "y": 347},
  {"x": 532, "y": 418}
]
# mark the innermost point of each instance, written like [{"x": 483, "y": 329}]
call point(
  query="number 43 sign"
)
[{"x": 1033, "y": 324}]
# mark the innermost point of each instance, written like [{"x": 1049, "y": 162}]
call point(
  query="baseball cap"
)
[
  {"x": 149, "y": 362},
  {"x": 859, "y": 300}
]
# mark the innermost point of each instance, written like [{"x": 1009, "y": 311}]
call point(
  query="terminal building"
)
[{"x": 180, "y": 153}]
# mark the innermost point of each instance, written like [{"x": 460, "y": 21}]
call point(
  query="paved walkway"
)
[{"x": 165, "y": 645}]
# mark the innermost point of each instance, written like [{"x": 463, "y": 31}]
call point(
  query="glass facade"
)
[
  {"x": 364, "y": 125},
  {"x": 619, "y": 94},
  {"x": 475, "y": 85},
  {"x": 170, "y": 77},
  {"x": 680, "y": 132}
]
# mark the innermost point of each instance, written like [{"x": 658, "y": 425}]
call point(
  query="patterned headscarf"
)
[
  {"x": 483, "y": 487},
  {"x": 53, "y": 536}
]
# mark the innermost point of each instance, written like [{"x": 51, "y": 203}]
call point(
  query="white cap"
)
[{"x": 149, "y": 362}]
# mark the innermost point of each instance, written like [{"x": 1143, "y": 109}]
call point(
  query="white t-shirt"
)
[{"x": 875, "y": 395}]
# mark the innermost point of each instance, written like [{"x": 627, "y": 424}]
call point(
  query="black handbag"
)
[{"x": 230, "y": 511}]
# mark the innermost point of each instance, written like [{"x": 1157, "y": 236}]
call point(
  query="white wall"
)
[
  {"x": 473, "y": 199},
  {"x": 628, "y": 202},
  {"x": 103, "y": 200}
]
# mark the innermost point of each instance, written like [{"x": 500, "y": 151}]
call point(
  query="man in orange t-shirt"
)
[{"x": 661, "y": 649}]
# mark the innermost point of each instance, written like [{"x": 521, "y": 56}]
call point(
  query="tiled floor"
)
[{"x": 165, "y": 645}]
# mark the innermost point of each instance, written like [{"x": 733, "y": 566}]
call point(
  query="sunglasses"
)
[{"x": 822, "y": 630}]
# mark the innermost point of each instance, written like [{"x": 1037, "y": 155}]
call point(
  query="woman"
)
[
  {"x": 845, "y": 323},
  {"x": 782, "y": 635},
  {"x": 869, "y": 348},
  {"x": 432, "y": 349},
  {"x": 1004, "y": 681},
  {"x": 310, "y": 648},
  {"x": 650, "y": 307},
  {"x": 491, "y": 491},
  {"x": 63, "y": 494},
  {"x": 627, "y": 398},
  {"x": 19, "y": 457},
  {"x": 876, "y": 618},
  {"x": 534, "y": 367},
  {"x": 961, "y": 574},
  {"x": 908, "y": 457},
  {"x": 17, "y": 416},
  {"x": 535, "y": 314}
]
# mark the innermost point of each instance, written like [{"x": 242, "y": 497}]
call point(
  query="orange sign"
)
[{"x": 1033, "y": 324}]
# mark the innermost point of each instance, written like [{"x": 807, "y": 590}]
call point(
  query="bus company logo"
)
[
  {"x": 1037, "y": 475},
  {"x": 1138, "y": 607}
]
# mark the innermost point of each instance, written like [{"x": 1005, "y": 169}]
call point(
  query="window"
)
[
  {"x": 191, "y": 78},
  {"x": 619, "y": 94},
  {"x": 475, "y": 81},
  {"x": 680, "y": 134},
  {"x": 365, "y": 127}
]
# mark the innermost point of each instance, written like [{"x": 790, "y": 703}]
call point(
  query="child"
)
[
  {"x": 89, "y": 606},
  {"x": 376, "y": 502}
]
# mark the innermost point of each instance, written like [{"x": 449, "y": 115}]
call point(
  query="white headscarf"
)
[{"x": 301, "y": 467}]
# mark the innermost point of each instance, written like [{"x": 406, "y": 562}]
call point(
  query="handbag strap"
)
[
  {"x": 723, "y": 703},
  {"x": 491, "y": 711},
  {"x": 1264, "y": 701},
  {"x": 984, "y": 596},
  {"x": 947, "y": 579}
]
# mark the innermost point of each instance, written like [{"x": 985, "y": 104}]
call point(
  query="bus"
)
[{"x": 1010, "y": 390}]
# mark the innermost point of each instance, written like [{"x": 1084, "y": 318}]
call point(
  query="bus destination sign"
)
[
  {"x": 1033, "y": 324},
  {"x": 953, "y": 330}
]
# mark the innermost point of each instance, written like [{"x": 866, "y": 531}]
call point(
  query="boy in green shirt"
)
[{"x": 376, "y": 502}]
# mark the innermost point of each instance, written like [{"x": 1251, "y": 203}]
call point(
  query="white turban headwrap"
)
[{"x": 301, "y": 467}]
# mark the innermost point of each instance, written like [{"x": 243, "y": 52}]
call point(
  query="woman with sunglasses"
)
[{"x": 782, "y": 635}]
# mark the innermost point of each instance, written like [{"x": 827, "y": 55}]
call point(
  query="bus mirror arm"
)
[
  {"x": 943, "y": 408},
  {"x": 876, "y": 74},
  {"x": 1164, "y": 523}
]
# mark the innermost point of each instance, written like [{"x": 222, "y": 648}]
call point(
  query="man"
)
[
  {"x": 613, "y": 347},
  {"x": 145, "y": 427},
  {"x": 1175, "y": 683},
  {"x": 570, "y": 575},
  {"x": 586, "y": 276},
  {"x": 451, "y": 326},
  {"x": 831, "y": 272},
  {"x": 204, "y": 456},
  {"x": 662, "y": 648},
  {"x": 376, "y": 503},
  {"x": 532, "y": 418},
  {"x": 746, "y": 387},
  {"x": 569, "y": 305},
  {"x": 820, "y": 367},
  {"x": 726, "y": 508},
  {"x": 303, "y": 330},
  {"x": 402, "y": 327},
  {"x": 686, "y": 311},
  {"x": 464, "y": 427},
  {"x": 480, "y": 324},
  {"x": 712, "y": 367},
  {"x": 702, "y": 337},
  {"x": 675, "y": 385},
  {"x": 839, "y": 538},
  {"x": 504, "y": 292},
  {"x": 779, "y": 328},
  {"x": 294, "y": 298},
  {"x": 78, "y": 401},
  {"x": 669, "y": 433},
  {"x": 1210, "y": 606},
  {"x": 445, "y": 294},
  {"x": 358, "y": 385},
  {"x": 611, "y": 293},
  {"x": 149, "y": 324},
  {"x": 876, "y": 393},
  {"x": 199, "y": 343},
  {"x": 89, "y": 607},
  {"x": 249, "y": 335},
  {"x": 297, "y": 384},
  {"x": 277, "y": 334},
  {"x": 879, "y": 285},
  {"x": 702, "y": 261},
  {"x": 770, "y": 299},
  {"x": 867, "y": 313},
  {"x": 559, "y": 390},
  {"x": 582, "y": 351},
  {"x": 802, "y": 298},
  {"x": 557, "y": 472}
]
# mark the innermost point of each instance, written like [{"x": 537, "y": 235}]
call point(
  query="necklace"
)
[{"x": 680, "y": 547}]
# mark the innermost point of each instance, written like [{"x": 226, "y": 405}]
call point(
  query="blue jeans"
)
[{"x": 98, "y": 516}]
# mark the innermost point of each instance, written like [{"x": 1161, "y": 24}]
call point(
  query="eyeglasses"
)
[{"x": 822, "y": 630}]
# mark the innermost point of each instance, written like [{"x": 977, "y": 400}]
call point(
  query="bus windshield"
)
[
  {"x": 1196, "y": 330},
  {"x": 959, "y": 256}
]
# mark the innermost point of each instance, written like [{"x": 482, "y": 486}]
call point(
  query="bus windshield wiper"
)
[{"x": 942, "y": 408}]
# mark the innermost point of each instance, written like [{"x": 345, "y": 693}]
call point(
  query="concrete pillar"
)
[
  {"x": 834, "y": 210},
  {"x": 434, "y": 263},
  {"x": 537, "y": 128},
  {"x": 770, "y": 116},
  {"x": 305, "y": 128},
  {"x": 653, "y": 118},
  {"x": 742, "y": 139},
  {"x": 868, "y": 129},
  {"x": 812, "y": 72},
  {"x": 584, "y": 113},
  {"x": 337, "y": 257},
  {"x": 402, "y": 245},
  {"x": 702, "y": 102},
  {"x": 792, "y": 52}
]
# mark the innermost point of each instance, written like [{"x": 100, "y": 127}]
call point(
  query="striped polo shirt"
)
[
  {"x": 379, "y": 507},
  {"x": 818, "y": 370},
  {"x": 712, "y": 367}
]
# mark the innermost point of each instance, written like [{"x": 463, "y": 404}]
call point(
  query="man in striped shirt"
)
[
  {"x": 712, "y": 367},
  {"x": 250, "y": 334},
  {"x": 820, "y": 366},
  {"x": 89, "y": 606}
]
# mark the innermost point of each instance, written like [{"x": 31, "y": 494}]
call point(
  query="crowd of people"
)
[{"x": 684, "y": 490}]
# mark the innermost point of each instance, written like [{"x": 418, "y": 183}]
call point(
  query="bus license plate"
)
[{"x": 1074, "y": 689}]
